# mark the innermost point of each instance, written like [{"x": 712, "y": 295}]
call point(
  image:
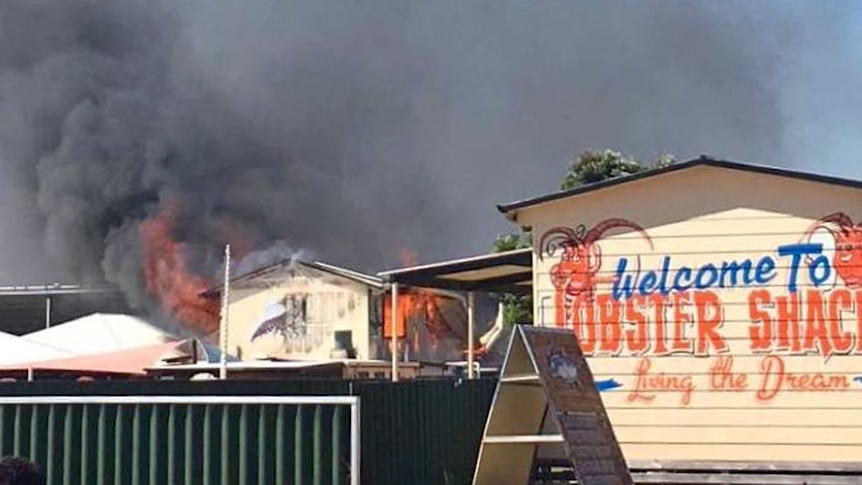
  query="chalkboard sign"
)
[
  {"x": 545, "y": 370},
  {"x": 577, "y": 406}
]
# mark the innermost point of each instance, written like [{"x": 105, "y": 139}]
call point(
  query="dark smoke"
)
[{"x": 355, "y": 129}]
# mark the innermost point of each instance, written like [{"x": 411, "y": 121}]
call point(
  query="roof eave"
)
[
  {"x": 510, "y": 210},
  {"x": 438, "y": 276},
  {"x": 355, "y": 276}
]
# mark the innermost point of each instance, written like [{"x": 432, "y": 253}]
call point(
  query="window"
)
[{"x": 344, "y": 340}]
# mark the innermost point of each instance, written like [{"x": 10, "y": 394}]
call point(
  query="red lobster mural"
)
[
  {"x": 848, "y": 246},
  {"x": 576, "y": 274}
]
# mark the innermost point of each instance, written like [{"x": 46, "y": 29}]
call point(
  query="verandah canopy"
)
[{"x": 506, "y": 272}]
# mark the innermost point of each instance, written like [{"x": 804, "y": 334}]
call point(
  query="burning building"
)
[{"x": 310, "y": 310}]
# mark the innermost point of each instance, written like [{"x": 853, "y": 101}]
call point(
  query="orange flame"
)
[
  {"x": 415, "y": 305},
  {"x": 167, "y": 277}
]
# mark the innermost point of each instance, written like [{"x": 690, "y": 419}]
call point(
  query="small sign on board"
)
[{"x": 546, "y": 373}]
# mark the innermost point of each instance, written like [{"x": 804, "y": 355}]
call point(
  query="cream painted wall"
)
[
  {"x": 333, "y": 304},
  {"x": 731, "y": 401}
]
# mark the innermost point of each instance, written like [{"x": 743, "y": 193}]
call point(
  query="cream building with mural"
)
[
  {"x": 720, "y": 305},
  {"x": 303, "y": 310},
  {"x": 314, "y": 311}
]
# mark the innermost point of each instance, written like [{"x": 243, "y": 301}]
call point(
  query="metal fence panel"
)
[
  {"x": 423, "y": 432},
  {"x": 87, "y": 440}
]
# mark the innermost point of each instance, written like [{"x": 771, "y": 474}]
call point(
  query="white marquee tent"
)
[
  {"x": 14, "y": 350},
  {"x": 99, "y": 333}
]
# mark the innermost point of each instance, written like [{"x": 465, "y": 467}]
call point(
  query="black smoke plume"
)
[{"x": 356, "y": 129}]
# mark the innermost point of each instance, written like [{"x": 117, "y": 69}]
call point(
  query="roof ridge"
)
[{"x": 333, "y": 269}]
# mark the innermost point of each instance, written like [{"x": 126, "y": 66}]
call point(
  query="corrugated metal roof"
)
[
  {"x": 23, "y": 307},
  {"x": 55, "y": 289},
  {"x": 510, "y": 271}
]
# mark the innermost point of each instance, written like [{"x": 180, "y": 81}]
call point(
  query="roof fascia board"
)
[
  {"x": 466, "y": 264},
  {"x": 55, "y": 290},
  {"x": 534, "y": 201},
  {"x": 458, "y": 285},
  {"x": 510, "y": 209},
  {"x": 367, "y": 280}
]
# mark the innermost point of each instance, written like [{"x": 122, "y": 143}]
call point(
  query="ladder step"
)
[
  {"x": 529, "y": 379},
  {"x": 523, "y": 439}
]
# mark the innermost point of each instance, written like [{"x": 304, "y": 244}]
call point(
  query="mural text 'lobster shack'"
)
[{"x": 722, "y": 301}]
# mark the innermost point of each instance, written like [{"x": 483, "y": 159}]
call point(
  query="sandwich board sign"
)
[{"x": 545, "y": 374}]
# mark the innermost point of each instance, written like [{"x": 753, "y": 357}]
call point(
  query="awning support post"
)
[
  {"x": 393, "y": 327},
  {"x": 47, "y": 312},
  {"x": 471, "y": 321}
]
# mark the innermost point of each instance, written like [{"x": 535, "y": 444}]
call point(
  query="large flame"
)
[
  {"x": 416, "y": 306},
  {"x": 167, "y": 277}
]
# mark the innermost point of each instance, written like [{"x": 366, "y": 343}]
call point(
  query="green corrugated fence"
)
[
  {"x": 151, "y": 440},
  {"x": 416, "y": 432},
  {"x": 422, "y": 432}
]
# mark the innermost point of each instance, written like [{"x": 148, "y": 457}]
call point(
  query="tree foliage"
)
[
  {"x": 511, "y": 242},
  {"x": 516, "y": 308},
  {"x": 590, "y": 167},
  {"x": 597, "y": 166}
]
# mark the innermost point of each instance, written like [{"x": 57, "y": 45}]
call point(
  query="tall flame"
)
[
  {"x": 167, "y": 277},
  {"x": 415, "y": 306}
]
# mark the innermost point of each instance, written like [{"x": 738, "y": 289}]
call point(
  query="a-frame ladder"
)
[{"x": 545, "y": 374}]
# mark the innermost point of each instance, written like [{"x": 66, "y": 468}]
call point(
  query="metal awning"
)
[{"x": 506, "y": 272}]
